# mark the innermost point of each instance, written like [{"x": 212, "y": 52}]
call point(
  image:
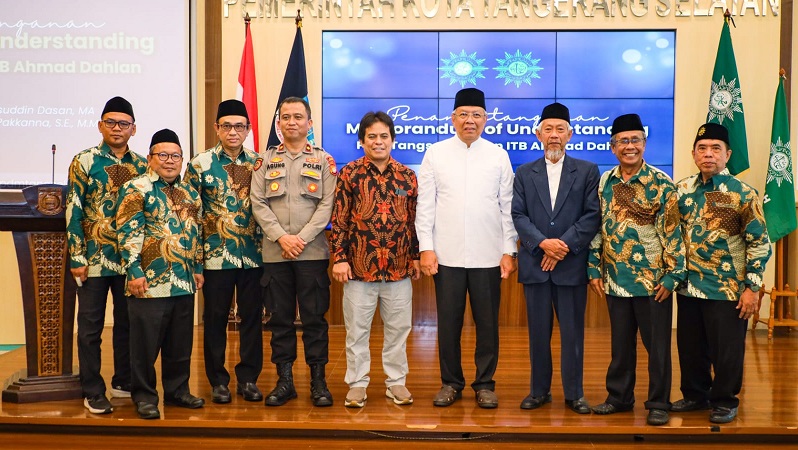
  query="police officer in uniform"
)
[{"x": 292, "y": 200}]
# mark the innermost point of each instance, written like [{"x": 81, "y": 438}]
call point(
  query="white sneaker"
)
[
  {"x": 356, "y": 397},
  {"x": 399, "y": 394},
  {"x": 120, "y": 392},
  {"x": 98, "y": 404}
]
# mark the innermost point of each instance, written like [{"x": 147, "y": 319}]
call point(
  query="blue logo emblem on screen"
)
[
  {"x": 463, "y": 68},
  {"x": 518, "y": 68}
]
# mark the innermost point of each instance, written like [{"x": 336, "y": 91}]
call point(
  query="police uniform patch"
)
[
  {"x": 313, "y": 187},
  {"x": 311, "y": 173},
  {"x": 274, "y": 173},
  {"x": 331, "y": 163},
  {"x": 276, "y": 159},
  {"x": 274, "y": 186},
  {"x": 312, "y": 160},
  {"x": 258, "y": 164}
]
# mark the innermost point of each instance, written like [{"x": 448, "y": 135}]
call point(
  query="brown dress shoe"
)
[
  {"x": 446, "y": 396},
  {"x": 487, "y": 399}
]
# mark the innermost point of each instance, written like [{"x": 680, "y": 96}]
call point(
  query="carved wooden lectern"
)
[{"x": 35, "y": 217}]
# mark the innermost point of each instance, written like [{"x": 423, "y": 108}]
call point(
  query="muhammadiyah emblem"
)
[
  {"x": 724, "y": 100},
  {"x": 780, "y": 165},
  {"x": 518, "y": 68},
  {"x": 462, "y": 68}
]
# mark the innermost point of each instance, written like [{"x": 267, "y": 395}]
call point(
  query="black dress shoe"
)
[
  {"x": 532, "y": 402},
  {"x": 221, "y": 394},
  {"x": 147, "y": 410},
  {"x": 608, "y": 408},
  {"x": 656, "y": 417},
  {"x": 685, "y": 405},
  {"x": 185, "y": 401},
  {"x": 578, "y": 406},
  {"x": 722, "y": 414},
  {"x": 249, "y": 391}
]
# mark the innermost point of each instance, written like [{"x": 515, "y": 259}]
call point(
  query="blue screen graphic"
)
[{"x": 414, "y": 76}]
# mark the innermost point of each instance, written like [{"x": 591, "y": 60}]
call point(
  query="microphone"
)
[{"x": 53, "y": 181}]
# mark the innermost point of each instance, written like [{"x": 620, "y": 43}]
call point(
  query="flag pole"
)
[
  {"x": 298, "y": 318},
  {"x": 780, "y": 242}
]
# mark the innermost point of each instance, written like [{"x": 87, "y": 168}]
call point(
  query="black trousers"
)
[
  {"x": 92, "y": 299},
  {"x": 166, "y": 326},
  {"x": 483, "y": 288},
  {"x": 654, "y": 320},
  {"x": 308, "y": 284},
  {"x": 218, "y": 292},
  {"x": 710, "y": 336},
  {"x": 569, "y": 303}
]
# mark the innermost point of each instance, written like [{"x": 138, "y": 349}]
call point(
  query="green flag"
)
[
  {"x": 779, "y": 201},
  {"x": 726, "y": 103}
]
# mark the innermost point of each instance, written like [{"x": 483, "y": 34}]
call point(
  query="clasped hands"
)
[
  {"x": 291, "y": 245},
  {"x": 554, "y": 251}
]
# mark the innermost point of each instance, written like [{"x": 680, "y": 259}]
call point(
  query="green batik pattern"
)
[
  {"x": 159, "y": 234},
  {"x": 232, "y": 239},
  {"x": 725, "y": 236},
  {"x": 95, "y": 176},
  {"x": 639, "y": 245}
]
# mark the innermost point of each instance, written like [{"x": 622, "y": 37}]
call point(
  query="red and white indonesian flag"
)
[{"x": 247, "y": 91}]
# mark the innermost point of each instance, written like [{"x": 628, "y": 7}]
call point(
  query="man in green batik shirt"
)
[
  {"x": 727, "y": 249},
  {"x": 159, "y": 219},
  {"x": 637, "y": 260},
  {"x": 95, "y": 176},
  {"x": 232, "y": 243}
]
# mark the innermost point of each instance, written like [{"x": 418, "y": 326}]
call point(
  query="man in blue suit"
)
[{"x": 556, "y": 213}]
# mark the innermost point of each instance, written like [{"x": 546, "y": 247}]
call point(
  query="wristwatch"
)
[
  {"x": 754, "y": 288},
  {"x": 513, "y": 255}
]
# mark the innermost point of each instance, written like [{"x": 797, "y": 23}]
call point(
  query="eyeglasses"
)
[
  {"x": 123, "y": 124},
  {"x": 627, "y": 141},
  {"x": 226, "y": 127},
  {"x": 165, "y": 156},
  {"x": 464, "y": 115}
]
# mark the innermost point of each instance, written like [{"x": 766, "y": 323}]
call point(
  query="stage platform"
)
[{"x": 768, "y": 411}]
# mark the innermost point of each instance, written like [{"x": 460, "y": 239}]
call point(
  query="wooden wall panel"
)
[{"x": 212, "y": 76}]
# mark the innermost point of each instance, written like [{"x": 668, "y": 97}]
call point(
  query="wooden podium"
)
[{"x": 35, "y": 216}]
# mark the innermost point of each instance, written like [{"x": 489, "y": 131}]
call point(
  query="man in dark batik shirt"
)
[{"x": 375, "y": 254}]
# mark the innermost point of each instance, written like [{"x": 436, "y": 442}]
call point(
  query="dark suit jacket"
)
[{"x": 575, "y": 219}]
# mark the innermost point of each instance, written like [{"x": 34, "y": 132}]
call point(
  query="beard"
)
[{"x": 554, "y": 155}]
